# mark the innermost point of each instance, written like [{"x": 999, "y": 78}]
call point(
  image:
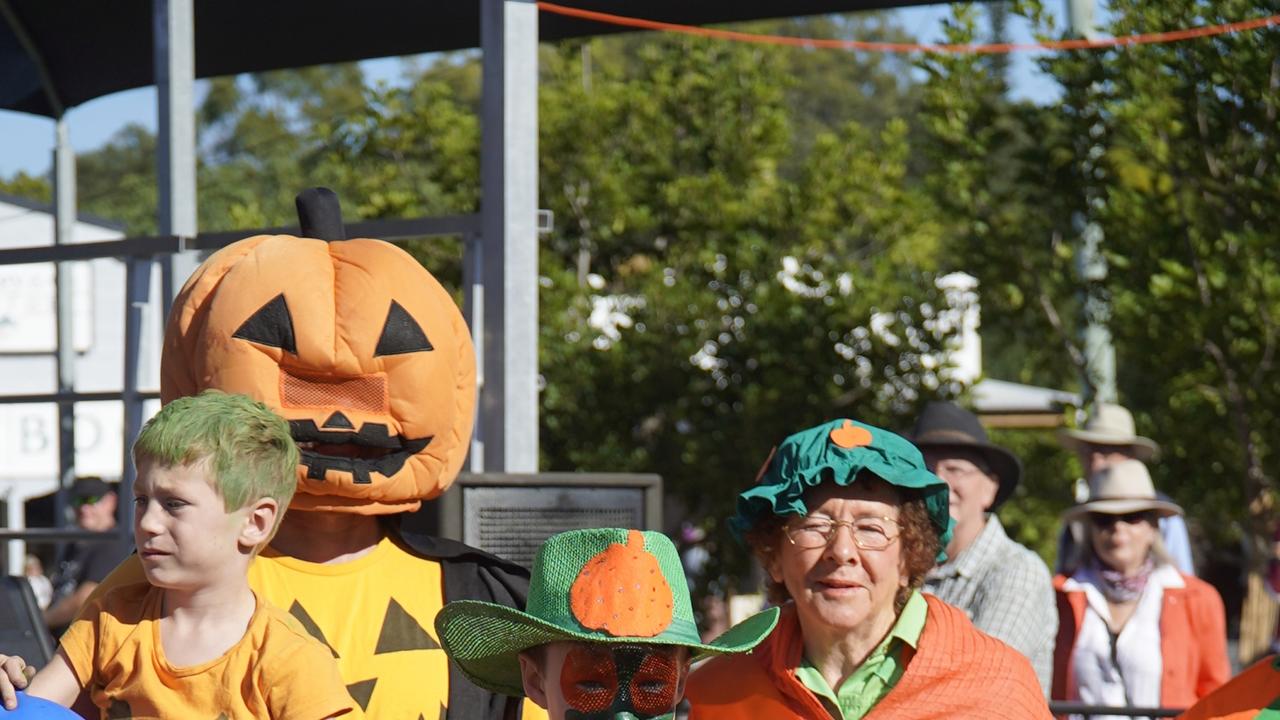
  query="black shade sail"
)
[{"x": 90, "y": 48}]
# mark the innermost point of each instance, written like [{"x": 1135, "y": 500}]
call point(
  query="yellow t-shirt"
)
[
  {"x": 276, "y": 670},
  {"x": 377, "y": 615}
]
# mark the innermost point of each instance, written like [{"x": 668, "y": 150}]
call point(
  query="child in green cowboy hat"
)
[{"x": 608, "y": 632}]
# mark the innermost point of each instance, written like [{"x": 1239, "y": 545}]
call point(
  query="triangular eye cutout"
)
[
  {"x": 270, "y": 325},
  {"x": 401, "y": 334}
]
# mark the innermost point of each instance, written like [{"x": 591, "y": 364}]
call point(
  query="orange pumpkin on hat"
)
[{"x": 352, "y": 341}]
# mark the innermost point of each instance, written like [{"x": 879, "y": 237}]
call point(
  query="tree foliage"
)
[{"x": 747, "y": 237}]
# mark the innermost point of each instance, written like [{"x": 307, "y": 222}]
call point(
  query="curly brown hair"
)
[{"x": 918, "y": 538}]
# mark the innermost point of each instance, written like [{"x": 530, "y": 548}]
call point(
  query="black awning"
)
[{"x": 91, "y": 48}]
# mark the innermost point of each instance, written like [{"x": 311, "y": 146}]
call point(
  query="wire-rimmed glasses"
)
[{"x": 869, "y": 533}]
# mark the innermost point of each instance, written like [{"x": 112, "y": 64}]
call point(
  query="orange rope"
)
[{"x": 983, "y": 49}]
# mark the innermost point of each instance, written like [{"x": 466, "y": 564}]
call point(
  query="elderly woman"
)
[
  {"x": 846, "y": 521},
  {"x": 1132, "y": 630}
]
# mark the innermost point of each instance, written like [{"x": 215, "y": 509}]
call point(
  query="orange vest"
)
[
  {"x": 1247, "y": 695},
  {"x": 956, "y": 673},
  {"x": 1193, "y": 642}
]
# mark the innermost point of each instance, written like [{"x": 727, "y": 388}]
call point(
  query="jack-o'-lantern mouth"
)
[{"x": 371, "y": 449}]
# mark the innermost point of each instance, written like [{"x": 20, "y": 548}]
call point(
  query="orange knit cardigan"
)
[
  {"x": 956, "y": 673},
  {"x": 1193, "y": 642}
]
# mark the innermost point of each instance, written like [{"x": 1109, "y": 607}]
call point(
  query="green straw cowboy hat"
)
[{"x": 602, "y": 585}]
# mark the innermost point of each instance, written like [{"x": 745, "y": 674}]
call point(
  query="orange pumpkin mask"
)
[{"x": 352, "y": 342}]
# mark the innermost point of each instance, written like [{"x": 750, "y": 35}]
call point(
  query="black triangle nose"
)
[{"x": 338, "y": 420}]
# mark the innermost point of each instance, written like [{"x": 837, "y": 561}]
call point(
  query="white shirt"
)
[{"x": 1128, "y": 673}]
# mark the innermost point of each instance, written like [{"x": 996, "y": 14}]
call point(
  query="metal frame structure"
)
[{"x": 501, "y": 294}]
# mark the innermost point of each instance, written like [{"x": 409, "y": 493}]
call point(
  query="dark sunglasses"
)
[
  {"x": 1104, "y": 520},
  {"x": 85, "y": 500}
]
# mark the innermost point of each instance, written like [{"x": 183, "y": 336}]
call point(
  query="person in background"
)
[
  {"x": 847, "y": 520},
  {"x": 1132, "y": 630},
  {"x": 33, "y": 569},
  {"x": 1003, "y": 587},
  {"x": 1273, "y": 582},
  {"x": 85, "y": 563},
  {"x": 1108, "y": 437}
]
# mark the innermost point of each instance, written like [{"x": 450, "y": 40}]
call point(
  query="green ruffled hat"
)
[
  {"x": 837, "y": 451},
  {"x": 604, "y": 585}
]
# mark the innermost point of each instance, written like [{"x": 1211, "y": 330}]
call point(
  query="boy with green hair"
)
[
  {"x": 608, "y": 633},
  {"x": 215, "y": 474}
]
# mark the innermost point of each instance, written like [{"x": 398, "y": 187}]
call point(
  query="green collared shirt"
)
[{"x": 878, "y": 673}]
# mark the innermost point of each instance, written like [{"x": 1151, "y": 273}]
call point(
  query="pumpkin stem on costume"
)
[
  {"x": 623, "y": 592},
  {"x": 320, "y": 214}
]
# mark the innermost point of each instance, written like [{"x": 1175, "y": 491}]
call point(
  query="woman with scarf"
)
[{"x": 1133, "y": 631}]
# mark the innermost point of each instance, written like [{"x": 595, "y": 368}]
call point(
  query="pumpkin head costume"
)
[
  {"x": 619, "y": 596},
  {"x": 354, "y": 343},
  {"x": 368, "y": 358}
]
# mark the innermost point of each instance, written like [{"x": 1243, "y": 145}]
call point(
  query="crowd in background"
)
[{"x": 1120, "y": 621}]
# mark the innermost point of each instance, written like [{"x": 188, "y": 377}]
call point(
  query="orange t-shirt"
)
[{"x": 276, "y": 670}]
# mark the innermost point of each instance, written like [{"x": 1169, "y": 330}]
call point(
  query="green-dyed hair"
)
[{"x": 247, "y": 446}]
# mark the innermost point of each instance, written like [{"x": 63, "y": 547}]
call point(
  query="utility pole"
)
[{"x": 1090, "y": 263}]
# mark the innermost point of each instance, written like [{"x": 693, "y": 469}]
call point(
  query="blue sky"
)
[{"x": 26, "y": 141}]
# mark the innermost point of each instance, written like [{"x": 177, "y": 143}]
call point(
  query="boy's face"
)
[
  {"x": 599, "y": 681},
  {"x": 186, "y": 538}
]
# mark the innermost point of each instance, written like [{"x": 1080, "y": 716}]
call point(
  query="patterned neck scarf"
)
[{"x": 1117, "y": 588}]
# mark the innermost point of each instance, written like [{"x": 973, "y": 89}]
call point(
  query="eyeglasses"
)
[
  {"x": 1106, "y": 521},
  {"x": 85, "y": 500},
  {"x": 870, "y": 533}
]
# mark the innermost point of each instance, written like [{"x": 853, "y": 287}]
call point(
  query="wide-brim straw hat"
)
[
  {"x": 947, "y": 425},
  {"x": 601, "y": 586},
  {"x": 839, "y": 452},
  {"x": 1112, "y": 425},
  {"x": 1122, "y": 488}
]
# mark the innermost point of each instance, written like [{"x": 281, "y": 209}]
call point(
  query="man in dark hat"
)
[
  {"x": 83, "y": 564},
  {"x": 1004, "y": 587}
]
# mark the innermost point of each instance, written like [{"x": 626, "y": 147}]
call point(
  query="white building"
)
[{"x": 28, "y": 359}]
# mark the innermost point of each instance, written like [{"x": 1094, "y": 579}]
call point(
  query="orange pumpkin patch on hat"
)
[{"x": 352, "y": 341}]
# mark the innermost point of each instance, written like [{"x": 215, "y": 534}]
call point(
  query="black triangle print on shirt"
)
[
  {"x": 300, "y": 614},
  {"x": 119, "y": 710},
  {"x": 361, "y": 692},
  {"x": 401, "y": 632}
]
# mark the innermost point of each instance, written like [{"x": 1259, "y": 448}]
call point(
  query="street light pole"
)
[{"x": 1091, "y": 264}]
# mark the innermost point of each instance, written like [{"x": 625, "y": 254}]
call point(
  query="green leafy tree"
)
[
  {"x": 743, "y": 247},
  {"x": 1005, "y": 175},
  {"x": 700, "y": 303},
  {"x": 1171, "y": 150},
  {"x": 1190, "y": 221}
]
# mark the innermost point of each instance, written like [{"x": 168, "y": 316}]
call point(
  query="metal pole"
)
[
  {"x": 1099, "y": 352},
  {"x": 174, "y": 36},
  {"x": 1080, "y": 14},
  {"x": 174, "y": 28},
  {"x": 509, "y": 204},
  {"x": 1091, "y": 265},
  {"x": 473, "y": 309},
  {"x": 137, "y": 292},
  {"x": 64, "y": 219}
]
